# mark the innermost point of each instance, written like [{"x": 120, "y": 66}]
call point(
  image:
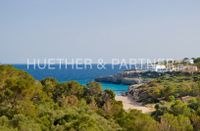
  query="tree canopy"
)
[{"x": 48, "y": 105}]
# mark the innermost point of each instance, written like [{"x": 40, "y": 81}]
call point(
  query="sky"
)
[{"x": 94, "y": 29}]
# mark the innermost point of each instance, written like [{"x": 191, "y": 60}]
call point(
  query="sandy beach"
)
[{"x": 129, "y": 103}]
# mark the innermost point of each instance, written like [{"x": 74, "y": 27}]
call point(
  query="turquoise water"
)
[
  {"x": 117, "y": 88},
  {"x": 82, "y": 76}
]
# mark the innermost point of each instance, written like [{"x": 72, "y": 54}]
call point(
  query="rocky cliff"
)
[
  {"x": 128, "y": 77},
  {"x": 119, "y": 80}
]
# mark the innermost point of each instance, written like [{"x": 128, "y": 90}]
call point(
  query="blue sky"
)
[{"x": 98, "y": 29}]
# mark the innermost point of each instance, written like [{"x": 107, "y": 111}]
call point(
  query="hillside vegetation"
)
[
  {"x": 176, "y": 95},
  {"x": 27, "y": 104}
]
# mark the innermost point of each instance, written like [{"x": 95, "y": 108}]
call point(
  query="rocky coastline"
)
[
  {"x": 134, "y": 79},
  {"x": 119, "y": 80},
  {"x": 129, "y": 77}
]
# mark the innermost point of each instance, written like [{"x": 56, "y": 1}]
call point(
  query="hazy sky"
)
[{"x": 98, "y": 29}]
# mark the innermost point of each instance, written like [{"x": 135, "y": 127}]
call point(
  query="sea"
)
[{"x": 83, "y": 75}]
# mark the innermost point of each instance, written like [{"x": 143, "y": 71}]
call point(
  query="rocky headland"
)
[
  {"x": 131, "y": 77},
  {"x": 136, "y": 81}
]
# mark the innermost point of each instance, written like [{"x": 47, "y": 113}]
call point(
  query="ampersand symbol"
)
[{"x": 101, "y": 64}]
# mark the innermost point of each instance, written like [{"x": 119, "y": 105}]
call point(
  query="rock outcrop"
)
[
  {"x": 137, "y": 93},
  {"x": 128, "y": 77},
  {"x": 119, "y": 80}
]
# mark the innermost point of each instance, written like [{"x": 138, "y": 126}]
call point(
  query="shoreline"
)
[{"x": 129, "y": 103}]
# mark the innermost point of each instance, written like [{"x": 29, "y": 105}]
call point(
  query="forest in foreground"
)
[{"x": 27, "y": 104}]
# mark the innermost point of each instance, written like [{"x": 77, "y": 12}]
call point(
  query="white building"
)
[
  {"x": 157, "y": 68},
  {"x": 189, "y": 61},
  {"x": 160, "y": 68}
]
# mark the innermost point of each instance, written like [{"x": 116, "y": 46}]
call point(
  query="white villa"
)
[
  {"x": 189, "y": 61},
  {"x": 157, "y": 68}
]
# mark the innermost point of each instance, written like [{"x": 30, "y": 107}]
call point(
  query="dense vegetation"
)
[
  {"x": 172, "y": 86},
  {"x": 197, "y": 62},
  {"x": 177, "y": 98},
  {"x": 27, "y": 104}
]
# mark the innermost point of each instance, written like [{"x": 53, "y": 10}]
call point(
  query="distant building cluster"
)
[{"x": 185, "y": 65}]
